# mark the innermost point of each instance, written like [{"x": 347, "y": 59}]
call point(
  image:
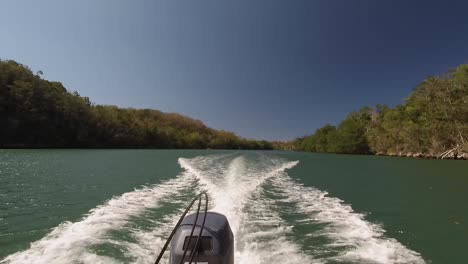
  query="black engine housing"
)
[{"x": 216, "y": 245}]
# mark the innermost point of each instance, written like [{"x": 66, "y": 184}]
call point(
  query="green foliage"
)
[
  {"x": 433, "y": 119},
  {"x": 351, "y": 133},
  {"x": 348, "y": 137},
  {"x": 39, "y": 113},
  {"x": 321, "y": 141}
]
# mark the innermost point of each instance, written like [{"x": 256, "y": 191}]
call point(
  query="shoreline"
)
[{"x": 419, "y": 155}]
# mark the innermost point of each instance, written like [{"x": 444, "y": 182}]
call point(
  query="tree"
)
[{"x": 36, "y": 112}]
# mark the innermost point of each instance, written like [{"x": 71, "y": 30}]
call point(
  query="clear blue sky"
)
[{"x": 262, "y": 69}]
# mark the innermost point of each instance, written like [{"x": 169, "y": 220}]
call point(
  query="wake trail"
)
[
  {"x": 274, "y": 219},
  {"x": 149, "y": 243},
  {"x": 351, "y": 239},
  {"x": 73, "y": 242},
  {"x": 235, "y": 188}
]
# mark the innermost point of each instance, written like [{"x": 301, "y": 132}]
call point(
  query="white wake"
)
[
  {"x": 70, "y": 242},
  {"x": 257, "y": 196},
  {"x": 258, "y": 231},
  {"x": 364, "y": 241}
]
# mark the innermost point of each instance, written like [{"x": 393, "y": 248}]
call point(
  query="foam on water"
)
[
  {"x": 69, "y": 242},
  {"x": 251, "y": 192},
  {"x": 149, "y": 243},
  {"x": 260, "y": 234},
  {"x": 364, "y": 241}
]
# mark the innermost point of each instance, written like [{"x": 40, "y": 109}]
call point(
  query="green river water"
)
[{"x": 118, "y": 206}]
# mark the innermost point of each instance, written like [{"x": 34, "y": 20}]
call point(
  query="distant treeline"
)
[
  {"x": 38, "y": 113},
  {"x": 432, "y": 122}
]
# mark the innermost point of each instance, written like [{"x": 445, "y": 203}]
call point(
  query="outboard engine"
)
[
  {"x": 215, "y": 245},
  {"x": 204, "y": 238}
]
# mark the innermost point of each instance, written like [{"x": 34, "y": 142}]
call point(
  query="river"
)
[{"x": 118, "y": 206}]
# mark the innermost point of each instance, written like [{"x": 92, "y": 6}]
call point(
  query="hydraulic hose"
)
[{"x": 195, "y": 248}]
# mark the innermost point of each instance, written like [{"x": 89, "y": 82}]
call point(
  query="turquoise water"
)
[{"x": 118, "y": 206}]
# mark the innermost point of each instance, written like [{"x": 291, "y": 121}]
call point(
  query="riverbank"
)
[{"x": 455, "y": 155}]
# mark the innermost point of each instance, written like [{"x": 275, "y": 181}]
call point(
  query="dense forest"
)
[
  {"x": 38, "y": 113},
  {"x": 432, "y": 122}
]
